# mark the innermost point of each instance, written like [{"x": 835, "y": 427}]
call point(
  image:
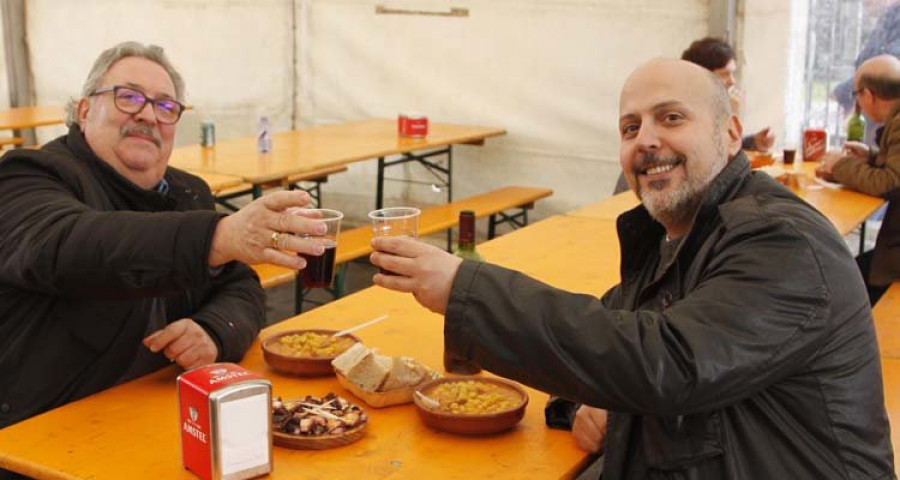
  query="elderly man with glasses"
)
[
  {"x": 876, "y": 170},
  {"x": 112, "y": 263}
]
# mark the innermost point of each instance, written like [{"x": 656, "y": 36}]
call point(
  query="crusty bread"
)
[
  {"x": 380, "y": 373},
  {"x": 405, "y": 372},
  {"x": 350, "y": 358},
  {"x": 363, "y": 367}
]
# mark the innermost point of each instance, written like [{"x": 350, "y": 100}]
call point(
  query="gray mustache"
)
[{"x": 142, "y": 130}]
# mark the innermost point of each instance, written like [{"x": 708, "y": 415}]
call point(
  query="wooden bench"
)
[
  {"x": 294, "y": 182},
  {"x": 356, "y": 242},
  {"x": 11, "y": 141},
  {"x": 887, "y": 321}
]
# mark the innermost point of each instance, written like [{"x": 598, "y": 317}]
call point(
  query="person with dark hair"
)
[
  {"x": 876, "y": 171},
  {"x": 718, "y": 57},
  {"x": 706, "y": 361},
  {"x": 113, "y": 264}
]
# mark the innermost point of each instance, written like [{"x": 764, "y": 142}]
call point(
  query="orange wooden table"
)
[
  {"x": 218, "y": 182},
  {"x": 887, "y": 322},
  {"x": 577, "y": 254},
  {"x": 609, "y": 208},
  {"x": 29, "y": 117},
  {"x": 299, "y": 151},
  {"x": 131, "y": 431},
  {"x": 844, "y": 207},
  {"x": 890, "y": 369}
]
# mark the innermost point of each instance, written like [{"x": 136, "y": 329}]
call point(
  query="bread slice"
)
[
  {"x": 350, "y": 358},
  {"x": 405, "y": 372},
  {"x": 363, "y": 367}
]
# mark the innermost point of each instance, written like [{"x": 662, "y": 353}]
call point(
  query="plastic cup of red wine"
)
[{"x": 319, "y": 271}]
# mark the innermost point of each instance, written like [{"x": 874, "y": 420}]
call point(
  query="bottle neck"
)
[{"x": 466, "y": 232}]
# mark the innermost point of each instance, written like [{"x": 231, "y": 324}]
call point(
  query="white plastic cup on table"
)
[
  {"x": 319, "y": 271},
  {"x": 395, "y": 222}
]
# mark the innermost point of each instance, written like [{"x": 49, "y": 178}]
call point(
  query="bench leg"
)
[
  {"x": 339, "y": 279},
  {"x": 515, "y": 220},
  {"x": 862, "y": 237},
  {"x": 299, "y": 293},
  {"x": 315, "y": 191}
]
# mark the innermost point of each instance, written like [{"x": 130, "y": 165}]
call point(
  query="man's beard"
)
[{"x": 674, "y": 206}]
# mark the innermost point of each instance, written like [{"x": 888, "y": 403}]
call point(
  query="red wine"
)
[{"x": 319, "y": 271}]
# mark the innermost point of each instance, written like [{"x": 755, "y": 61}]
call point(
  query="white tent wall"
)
[
  {"x": 235, "y": 56},
  {"x": 4, "y": 79},
  {"x": 547, "y": 71},
  {"x": 765, "y": 43}
]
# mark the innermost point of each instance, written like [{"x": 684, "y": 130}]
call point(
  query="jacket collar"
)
[
  {"x": 640, "y": 234},
  {"x": 879, "y": 132}
]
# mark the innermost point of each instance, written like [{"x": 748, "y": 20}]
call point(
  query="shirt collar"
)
[{"x": 162, "y": 187}]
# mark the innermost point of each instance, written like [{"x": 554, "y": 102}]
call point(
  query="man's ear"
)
[
  {"x": 82, "y": 109},
  {"x": 735, "y": 135}
]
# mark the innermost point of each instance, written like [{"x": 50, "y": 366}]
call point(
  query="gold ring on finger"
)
[{"x": 275, "y": 240}]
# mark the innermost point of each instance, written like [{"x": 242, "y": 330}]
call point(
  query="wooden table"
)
[
  {"x": 609, "y": 208},
  {"x": 218, "y": 182},
  {"x": 844, "y": 207},
  {"x": 299, "y": 151},
  {"x": 887, "y": 323},
  {"x": 890, "y": 369},
  {"x": 29, "y": 117},
  {"x": 577, "y": 254},
  {"x": 131, "y": 431}
]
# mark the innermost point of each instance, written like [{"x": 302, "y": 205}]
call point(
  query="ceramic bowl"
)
[
  {"x": 470, "y": 423},
  {"x": 284, "y": 360}
]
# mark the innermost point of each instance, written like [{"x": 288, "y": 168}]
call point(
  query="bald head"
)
[
  {"x": 677, "y": 133},
  {"x": 679, "y": 77},
  {"x": 880, "y": 75},
  {"x": 877, "y": 86},
  {"x": 885, "y": 66}
]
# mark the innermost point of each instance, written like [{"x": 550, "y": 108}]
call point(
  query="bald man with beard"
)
[
  {"x": 707, "y": 361},
  {"x": 876, "y": 171}
]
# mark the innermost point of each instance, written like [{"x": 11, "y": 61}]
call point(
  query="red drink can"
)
[
  {"x": 815, "y": 142},
  {"x": 413, "y": 125},
  {"x": 225, "y": 416}
]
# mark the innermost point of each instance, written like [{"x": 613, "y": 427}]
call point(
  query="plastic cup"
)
[
  {"x": 319, "y": 271},
  {"x": 395, "y": 222}
]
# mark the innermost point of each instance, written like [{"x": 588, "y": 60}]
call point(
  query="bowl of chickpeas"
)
[
  {"x": 471, "y": 406},
  {"x": 305, "y": 353}
]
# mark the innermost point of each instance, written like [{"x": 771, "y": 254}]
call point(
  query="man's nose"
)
[
  {"x": 146, "y": 113},
  {"x": 647, "y": 138},
  {"x": 730, "y": 81}
]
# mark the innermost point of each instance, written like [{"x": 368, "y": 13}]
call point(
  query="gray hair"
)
[{"x": 112, "y": 55}]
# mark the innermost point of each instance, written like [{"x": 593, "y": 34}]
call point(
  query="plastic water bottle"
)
[{"x": 263, "y": 135}]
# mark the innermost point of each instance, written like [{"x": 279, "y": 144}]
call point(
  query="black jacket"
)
[
  {"x": 84, "y": 253},
  {"x": 751, "y": 355}
]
